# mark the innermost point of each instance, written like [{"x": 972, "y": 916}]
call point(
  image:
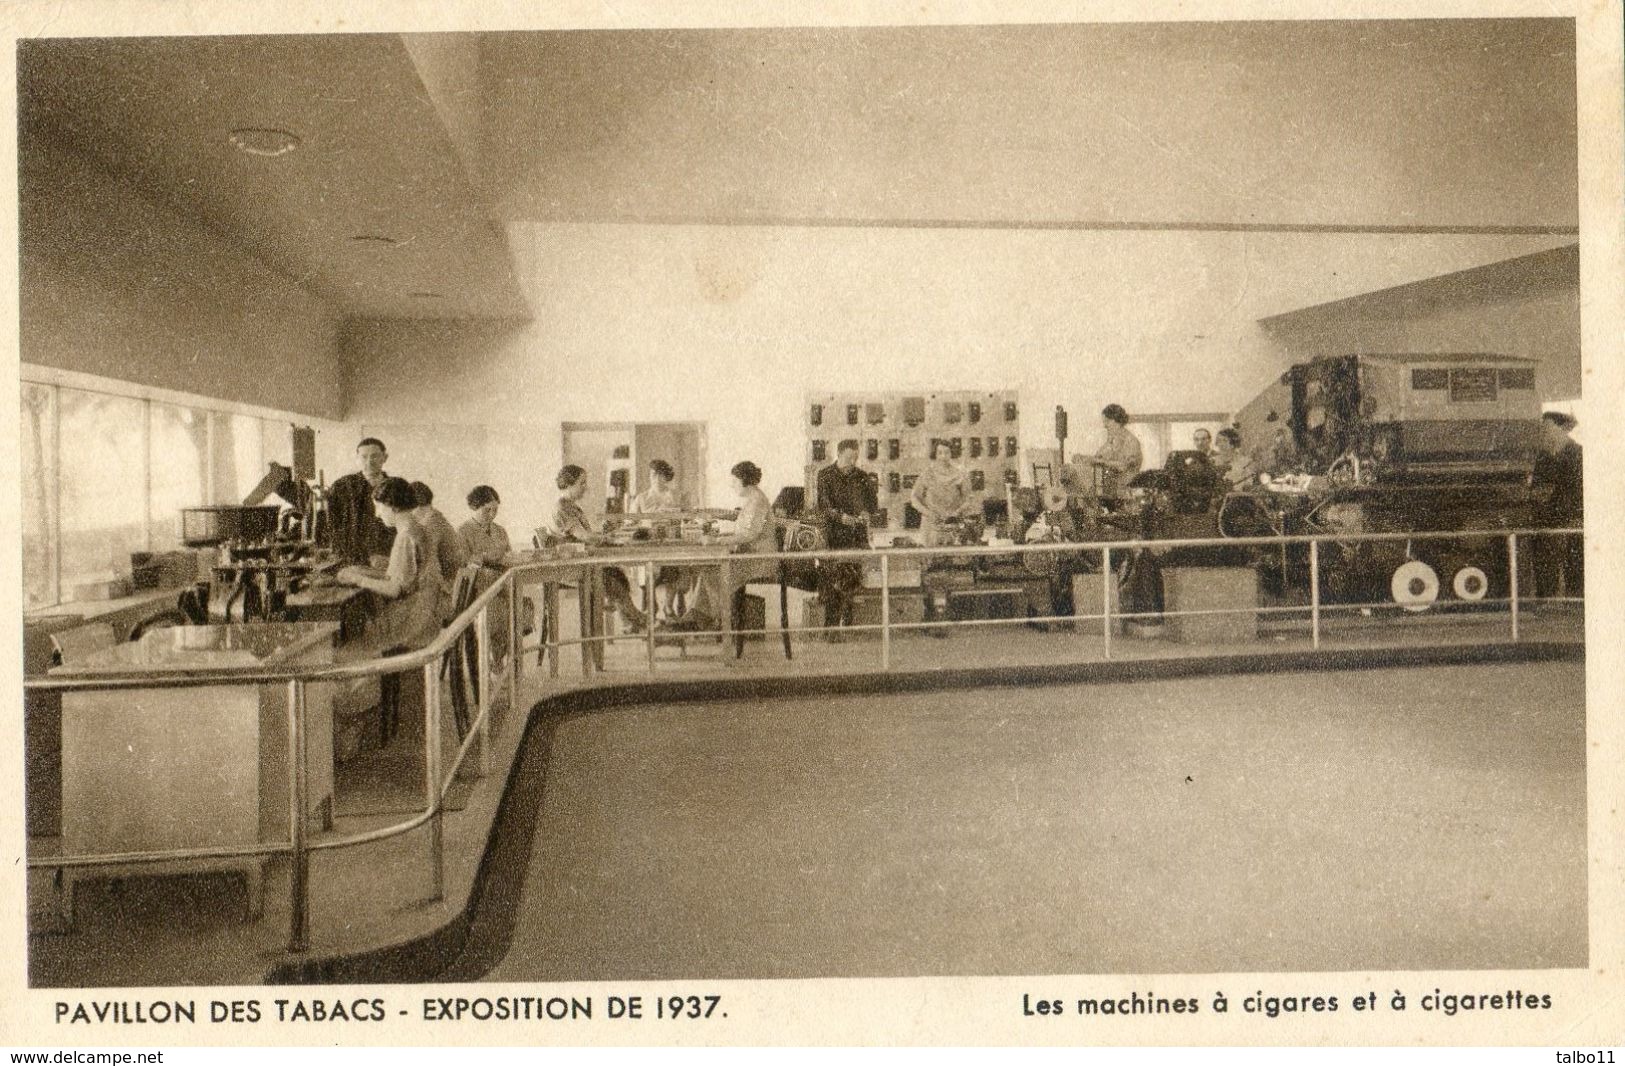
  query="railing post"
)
[
  {"x": 515, "y": 640},
  {"x": 1512, "y": 586},
  {"x": 1106, "y": 598},
  {"x": 482, "y": 643},
  {"x": 298, "y": 800},
  {"x": 885, "y": 611},
  {"x": 1314, "y": 593},
  {"x": 725, "y": 610},
  {"x": 649, "y": 609},
  {"x": 431, "y": 778}
]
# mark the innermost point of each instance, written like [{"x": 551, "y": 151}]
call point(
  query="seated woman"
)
[
  {"x": 662, "y": 497},
  {"x": 571, "y": 523},
  {"x": 487, "y": 543},
  {"x": 411, "y": 586},
  {"x": 448, "y": 551},
  {"x": 1229, "y": 460},
  {"x": 754, "y": 532}
]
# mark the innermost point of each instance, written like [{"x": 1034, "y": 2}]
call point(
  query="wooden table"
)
[{"x": 172, "y": 768}]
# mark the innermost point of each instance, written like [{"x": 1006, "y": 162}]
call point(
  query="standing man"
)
[
  {"x": 1559, "y": 560},
  {"x": 846, "y": 500},
  {"x": 353, "y": 528}
]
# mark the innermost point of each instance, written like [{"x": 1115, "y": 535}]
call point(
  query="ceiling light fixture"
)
[
  {"x": 258, "y": 141},
  {"x": 426, "y": 295},
  {"x": 377, "y": 239}
]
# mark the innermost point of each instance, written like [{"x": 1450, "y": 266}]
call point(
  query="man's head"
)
[
  {"x": 846, "y": 454},
  {"x": 371, "y": 455},
  {"x": 1555, "y": 428},
  {"x": 1203, "y": 440}
]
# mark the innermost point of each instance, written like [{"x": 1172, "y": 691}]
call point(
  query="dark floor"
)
[{"x": 1379, "y": 819}]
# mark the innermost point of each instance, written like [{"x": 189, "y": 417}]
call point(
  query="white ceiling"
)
[{"x": 437, "y": 141}]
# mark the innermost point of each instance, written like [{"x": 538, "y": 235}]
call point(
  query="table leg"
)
[
  {"x": 600, "y": 616},
  {"x": 550, "y": 627},
  {"x": 725, "y": 611},
  {"x": 584, "y": 610}
]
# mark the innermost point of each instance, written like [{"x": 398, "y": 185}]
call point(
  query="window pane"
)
[
  {"x": 179, "y": 458},
  {"x": 103, "y": 484},
  {"x": 39, "y": 498},
  {"x": 278, "y": 443},
  {"x": 237, "y": 463}
]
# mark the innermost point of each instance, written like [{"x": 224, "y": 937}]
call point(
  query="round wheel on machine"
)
[
  {"x": 1415, "y": 585},
  {"x": 1470, "y": 584}
]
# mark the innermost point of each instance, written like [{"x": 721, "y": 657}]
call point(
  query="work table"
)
[{"x": 214, "y": 647}]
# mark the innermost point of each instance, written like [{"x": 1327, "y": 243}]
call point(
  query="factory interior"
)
[{"x": 821, "y": 495}]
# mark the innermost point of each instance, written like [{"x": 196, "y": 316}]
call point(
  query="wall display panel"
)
[{"x": 895, "y": 431}]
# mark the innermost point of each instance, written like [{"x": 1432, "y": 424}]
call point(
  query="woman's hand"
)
[{"x": 347, "y": 576}]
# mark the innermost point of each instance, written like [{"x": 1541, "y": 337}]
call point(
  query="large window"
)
[
  {"x": 178, "y": 456},
  {"x": 102, "y": 484},
  {"x": 39, "y": 495},
  {"x": 106, "y": 475}
]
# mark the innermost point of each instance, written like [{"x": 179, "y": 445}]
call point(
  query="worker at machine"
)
[
  {"x": 409, "y": 584},
  {"x": 446, "y": 546},
  {"x": 846, "y": 501},
  {"x": 755, "y": 532},
  {"x": 1559, "y": 560},
  {"x": 662, "y": 494},
  {"x": 663, "y": 497},
  {"x": 354, "y": 531},
  {"x": 1229, "y": 460},
  {"x": 1120, "y": 456},
  {"x": 485, "y": 542},
  {"x": 942, "y": 496},
  {"x": 571, "y": 523}
]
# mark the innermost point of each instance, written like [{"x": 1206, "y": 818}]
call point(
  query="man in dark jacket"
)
[
  {"x": 353, "y": 528},
  {"x": 846, "y": 500},
  {"x": 1559, "y": 560}
]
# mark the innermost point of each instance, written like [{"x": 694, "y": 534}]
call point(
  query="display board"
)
[{"x": 895, "y": 430}]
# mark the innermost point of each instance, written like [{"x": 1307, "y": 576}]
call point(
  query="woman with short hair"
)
[
  {"x": 487, "y": 544},
  {"x": 571, "y": 523},
  {"x": 1120, "y": 455},
  {"x": 662, "y": 497},
  {"x": 755, "y": 532}
]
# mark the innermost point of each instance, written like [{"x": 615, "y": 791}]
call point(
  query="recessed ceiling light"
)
[
  {"x": 374, "y": 238},
  {"x": 427, "y": 295},
  {"x": 263, "y": 142}
]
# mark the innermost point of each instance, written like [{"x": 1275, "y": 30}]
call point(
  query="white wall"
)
[
  {"x": 117, "y": 285},
  {"x": 734, "y": 325}
]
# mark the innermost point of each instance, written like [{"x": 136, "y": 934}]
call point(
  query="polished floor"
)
[{"x": 1376, "y": 819}]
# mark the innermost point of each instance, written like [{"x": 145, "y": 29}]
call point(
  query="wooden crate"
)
[{"x": 1211, "y": 588}]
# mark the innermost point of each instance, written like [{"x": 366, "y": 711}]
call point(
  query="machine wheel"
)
[
  {"x": 1470, "y": 584},
  {"x": 1414, "y": 586}
]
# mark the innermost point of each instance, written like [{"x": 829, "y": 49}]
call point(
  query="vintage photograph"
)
[{"x": 891, "y": 501}]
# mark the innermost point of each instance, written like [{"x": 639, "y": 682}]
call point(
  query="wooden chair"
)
[
  {"x": 738, "y": 605},
  {"x": 461, "y": 659}
]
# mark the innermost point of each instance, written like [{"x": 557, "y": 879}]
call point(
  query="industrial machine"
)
[
  {"x": 262, "y": 552},
  {"x": 1372, "y": 443}
]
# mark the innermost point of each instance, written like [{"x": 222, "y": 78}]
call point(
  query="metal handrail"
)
[{"x": 438, "y": 779}]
